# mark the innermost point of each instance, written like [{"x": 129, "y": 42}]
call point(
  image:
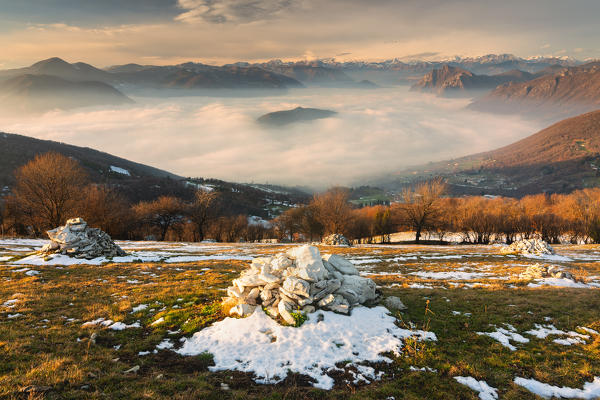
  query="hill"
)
[
  {"x": 138, "y": 182},
  {"x": 561, "y": 158},
  {"x": 37, "y": 93},
  {"x": 454, "y": 80},
  {"x": 566, "y": 92},
  {"x": 298, "y": 114},
  {"x": 57, "y": 67},
  {"x": 16, "y": 150}
]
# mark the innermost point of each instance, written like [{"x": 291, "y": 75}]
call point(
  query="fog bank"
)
[{"x": 375, "y": 131}]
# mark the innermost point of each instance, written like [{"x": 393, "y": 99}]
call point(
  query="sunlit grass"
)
[{"x": 48, "y": 347}]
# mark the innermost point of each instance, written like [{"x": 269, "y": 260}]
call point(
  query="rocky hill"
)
[
  {"x": 566, "y": 92},
  {"x": 38, "y": 93},
  {"x": 561, "y": 158},
  {"x": 298, "y": 114},
  {"x": 449, "y": 80}
]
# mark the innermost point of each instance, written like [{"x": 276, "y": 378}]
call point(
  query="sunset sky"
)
[{"x": 112, "y": 32}]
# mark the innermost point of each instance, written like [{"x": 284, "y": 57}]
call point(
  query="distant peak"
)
[{"x": 52, "y": 60}]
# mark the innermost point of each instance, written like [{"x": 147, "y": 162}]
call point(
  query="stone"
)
[
  {"x": 284, "y": 310},
  {"x": 327, "y": 300},
  {"x": 394, "y": 303},
  {"x": 308, "y": 263},
  {"x": 336, "y": 239},
  {"x": 77, "y": 240},
  {"x": 341, "y": 264},
  {"x": 357, "y": 290},
  {"x": 242, "y": 310},
  {"x": 329, "y": 287},
  {"x": 339, "y": 305},
  {"x": 296, "y": 286},
  {"x": 133, "y": 370}
]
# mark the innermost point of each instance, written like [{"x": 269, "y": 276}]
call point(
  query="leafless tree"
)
[
  {"x": 48, "y": 189},
  {"x": 161, "y": 214},
  {"x": 203, "y": 211},
  {"x": 420, "y": 205},
  {"x": 333, "y": 210}
]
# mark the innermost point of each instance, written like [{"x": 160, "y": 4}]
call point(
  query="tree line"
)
[{"x": 52, "y": 188}]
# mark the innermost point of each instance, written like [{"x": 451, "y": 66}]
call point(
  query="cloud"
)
[
  {"x": 222, "y": 11},
  {"x": 376, "y": 131},
  {"x": 545, "y": 46}
]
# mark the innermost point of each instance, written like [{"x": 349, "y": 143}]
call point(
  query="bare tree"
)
[
  {"x": 161, "y": 214},
  {"x": 103, "y": 207},
  {"x": 48, "y": 188},
  {"x": 420, "y": 205},
  {"x": 333, "y": 210},
  {"x": 203, "y": 211}
]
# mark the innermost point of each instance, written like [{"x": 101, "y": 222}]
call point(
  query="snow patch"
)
[
  {"x": 591, "y": 390},
  {"x": 260, "y": 345},
  {"x": 119, "y": 170},
  {"x": 486, "y": 392},
  {"x": 504, "y": 336}
]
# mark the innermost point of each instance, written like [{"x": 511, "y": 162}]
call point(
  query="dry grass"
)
[{"x": 46, "y": 347}]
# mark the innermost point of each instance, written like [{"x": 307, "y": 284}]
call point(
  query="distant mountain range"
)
[
  {"x": 561, "y": 92},
  {"x": 298, "y": 114},
  {"x": 449, "y": 80},
  {"x": 561, "y": 158},
  {"x": 398, "y": 71}
]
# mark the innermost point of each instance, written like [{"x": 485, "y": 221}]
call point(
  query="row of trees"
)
[
  {"x": 477, "y": 219},
  {"x": 52, "y": 188}
]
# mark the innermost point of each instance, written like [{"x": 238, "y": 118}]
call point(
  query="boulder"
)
[
  {"x": 77, "y": 240},
  {"x": 341, "y": 264},
  {"x": 394, "y": 303},
  {"x": 357, "y": 290}
]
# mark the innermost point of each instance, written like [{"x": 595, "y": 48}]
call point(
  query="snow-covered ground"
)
[{"x": 260, "y": 345}]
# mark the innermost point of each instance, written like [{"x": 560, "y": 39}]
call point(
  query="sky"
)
[{"x": 109, "y": 32}]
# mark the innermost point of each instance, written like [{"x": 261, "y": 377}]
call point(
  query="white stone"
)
[
  {"x": 357, "y": 290},
  {"x": 308, "y": 263},
  {"x": 341, "y": 264}
]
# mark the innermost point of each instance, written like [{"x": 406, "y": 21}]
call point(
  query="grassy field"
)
[{"x": 45, "y": 352}]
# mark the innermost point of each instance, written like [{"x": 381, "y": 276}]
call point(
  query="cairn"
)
[
  {"x": 528, "y": 247},
  {"x": 299, "y": 280},
  {"x": 77, "y": 240},
  {"x": 538, "y": 271},
  {"x": 336, "y": 239}
]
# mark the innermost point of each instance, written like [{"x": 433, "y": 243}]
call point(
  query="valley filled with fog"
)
[{"x": 375, "y": 131}]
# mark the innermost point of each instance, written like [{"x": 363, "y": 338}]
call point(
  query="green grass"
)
[{"x": 60, "y": 353}]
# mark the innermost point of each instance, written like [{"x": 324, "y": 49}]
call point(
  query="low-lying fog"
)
[{"x": 375, "y": 131}]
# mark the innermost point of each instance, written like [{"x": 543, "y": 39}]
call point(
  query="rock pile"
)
[
  {"x": 528, "y": 247},
  {"x": 77, "y": 240},
  {"x": 538, "y": 271},
  {"x": 299, "y": 280},
  {"x": 336, "y": 239}
]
